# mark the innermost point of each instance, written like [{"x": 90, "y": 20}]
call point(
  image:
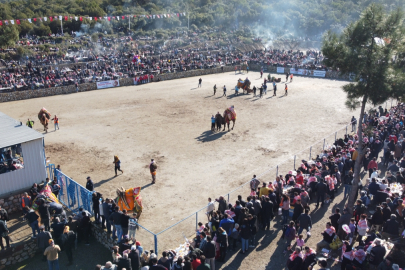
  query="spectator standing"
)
[
  {"x": 56, "y": 122},
  {"x": 89, "y": 184},
  {"x": 254, "y": 183},
  {"x": 4, "y": 234},
  {"x": 43, "y": 240},
  {"x": 304, "y": 221},
  {"x": 43, "y": 210},
  {"x": 153, "y": 170},
  {"x": 84, "y": 228},
  {"x": 124, "y": 263},
  {"x": 124, "y": 222},
  {"x": 51, "y": 254},
  {"x": 321, "y": 190},
  {"x": 96, "y": 206},
  {"x": 32, "y": 218},
  {"x": 209, "y": 252},
  {"x": 68, "y": 240},
  {"x": 204, "y": 265},
  {"x": 354, "y": 123},
  {"x": 115, "y": 218},
  {"x": 135, "y": 258},
  {"x": 25, "y": 202},
  {"x": 210, "y": 208}
]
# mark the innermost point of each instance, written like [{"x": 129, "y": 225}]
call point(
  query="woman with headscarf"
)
[
  {"x": 117, "y": 163},
  {"x": 347, "y": 255}
]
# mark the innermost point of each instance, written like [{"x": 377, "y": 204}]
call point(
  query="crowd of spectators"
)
[
  {"x": 113, "y": 58},
  {"x": 360, "y": 237}
]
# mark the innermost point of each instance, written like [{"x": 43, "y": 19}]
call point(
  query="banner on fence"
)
[
  {"x": 280, "y": 70},
  {"x": 108, "y": 84},
  {"x": 298, "y": 71},
  {"x": 318, "y": 73}
]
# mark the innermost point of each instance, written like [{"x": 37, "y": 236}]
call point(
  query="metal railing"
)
[{"x": 186, "y": 227}]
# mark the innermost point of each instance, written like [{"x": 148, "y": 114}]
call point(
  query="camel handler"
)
[
  {"x": 153, "y": 168},
  {"x": 30, "y": 123},
  {"x": 117, "y": 165}
]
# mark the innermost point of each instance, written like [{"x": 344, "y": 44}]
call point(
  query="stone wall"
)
[
  {"x": 12, "y": 203},
  {"x": 101, "y": 235},
  {"x": 17, "y": 254}
]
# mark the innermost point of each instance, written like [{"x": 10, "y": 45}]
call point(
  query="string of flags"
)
[{"x": 78, "y": 18}]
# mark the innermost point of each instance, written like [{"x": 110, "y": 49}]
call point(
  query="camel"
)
[
  {"x": 44, "y": 117},
  {"x": 229, "y": 115},
  {"x": 44, "y": 122}
]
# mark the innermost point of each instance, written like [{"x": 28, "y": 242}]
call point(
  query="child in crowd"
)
[{"x": 300, "y": 241}]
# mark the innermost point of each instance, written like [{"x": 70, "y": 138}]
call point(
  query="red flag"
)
[
  {"x": 51, "y": 19},
  {"x": 178, "y": 15},
  {"x": 66, "y": 18},
  {"x": 35, "y": 19},
  {"x": 1, "y": 23},
  {"x": 109, "y": 18},
  {"x": 123, "y": 17},
  {"x": 95, "y": 18},
  {"x": 18, "y": 21},
  {"x": 81, "y": 19}
]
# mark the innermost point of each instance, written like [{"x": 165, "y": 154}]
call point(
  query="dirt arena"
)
[{"x": 170, "y": 122}]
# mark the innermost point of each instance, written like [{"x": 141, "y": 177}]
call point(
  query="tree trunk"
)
[{"x": 359, "y": 159}]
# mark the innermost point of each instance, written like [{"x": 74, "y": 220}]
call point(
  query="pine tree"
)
[{"x": 372, "y": 49}]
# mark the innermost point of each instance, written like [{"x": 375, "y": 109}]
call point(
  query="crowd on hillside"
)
[{"x": 116, "y": 58}]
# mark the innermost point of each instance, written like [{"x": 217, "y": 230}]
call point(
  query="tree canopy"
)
[
  {"x": 372, "y": 49},
  {"x": 266, "y": 17}
]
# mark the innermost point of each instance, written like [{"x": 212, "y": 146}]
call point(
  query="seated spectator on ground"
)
[{"x": 328, "y": 236}]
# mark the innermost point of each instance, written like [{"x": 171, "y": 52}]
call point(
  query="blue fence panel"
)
[
  {"x": 72, "y": 194},
  {"x": 50, "y": 171}
]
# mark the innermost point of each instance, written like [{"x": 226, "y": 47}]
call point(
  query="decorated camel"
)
[
  {"x": 130, "y": 200},
  {"x": 44, "y": 117},
  {"x": 229, "y": 115},
  {"x": 245, "y": 85}
]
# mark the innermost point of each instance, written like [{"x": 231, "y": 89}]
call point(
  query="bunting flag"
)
[{"x": 76, "y": 18}]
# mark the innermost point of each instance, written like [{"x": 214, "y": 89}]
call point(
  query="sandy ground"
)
[{"x": 170, "y": 122}]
